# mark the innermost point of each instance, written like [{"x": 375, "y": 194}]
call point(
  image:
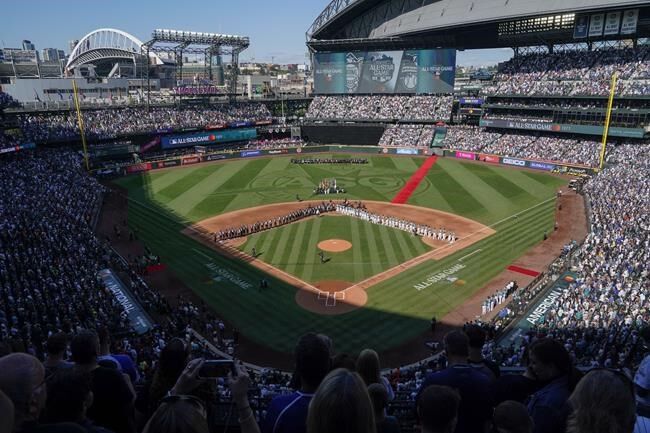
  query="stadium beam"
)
[{"x": 208, "y": 44}]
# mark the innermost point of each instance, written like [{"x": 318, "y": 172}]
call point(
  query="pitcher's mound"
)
[{"x": 334, "y": 245}]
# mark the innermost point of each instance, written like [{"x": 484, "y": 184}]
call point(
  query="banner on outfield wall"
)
[
  {"x": 212, "y": 137},
  {"x": 524, "y": 163},
  {"x": 563, "y": 127},
  {"x": 140, "y": 321},
  {"x": 23, "y": 146},
  {"x": 406, "y": 151},
  {"x": 136, "y": 168}
]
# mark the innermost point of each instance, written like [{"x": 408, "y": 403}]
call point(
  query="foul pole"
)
[
  {"x": 612, "y": 90},
  {"x": 80, "y": 121}
]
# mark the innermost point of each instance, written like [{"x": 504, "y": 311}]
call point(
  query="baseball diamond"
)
[{"x": 505, "y": 210}]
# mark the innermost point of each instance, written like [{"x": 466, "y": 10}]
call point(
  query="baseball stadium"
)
[{"x": 383, "y": 216}]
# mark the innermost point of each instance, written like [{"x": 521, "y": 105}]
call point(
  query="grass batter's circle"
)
[{"x": 334, "y": 245}]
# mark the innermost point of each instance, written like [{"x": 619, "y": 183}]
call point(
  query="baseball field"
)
[{"x": 391, "y": 282}]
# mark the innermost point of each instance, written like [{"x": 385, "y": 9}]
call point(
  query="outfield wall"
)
[
  {"x": 196, "y": 159},
  {"x": 553, "y": 167}
]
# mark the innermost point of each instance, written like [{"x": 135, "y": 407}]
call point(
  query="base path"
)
[{"x": 414, "y": 181}]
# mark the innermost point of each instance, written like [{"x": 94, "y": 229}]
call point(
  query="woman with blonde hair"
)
[
  {"x": 341, "y": 405},
  {"x": 602, "y": 402},
  {"x": 370, "y": 371}
]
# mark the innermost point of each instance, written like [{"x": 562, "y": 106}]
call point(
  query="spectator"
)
[
  {"x": 6, "y": 414},
  {"x": 602, "y": 402},
  {"x": 112, "y": 405},
  {"x": 56, "y": 348},
  {"x": 341, "y": 404},
  {"x": 369, "y": 370},
  {"x": 642, "y": 395},
  {"x": 68, "y": 399},
  {"x": 288, "y": 413},
  {"x": 104, "y": 358},
  {"x": 379, "y": 399},
  {"x": 512, "y": 417},
  {"x": 438, "y": 409},
  {"x": 476, "y": 336},
  {"x": 475, "y": 408},
  {"x": 549, "y": 363}
]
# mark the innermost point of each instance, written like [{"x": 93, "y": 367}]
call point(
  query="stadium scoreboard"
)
[{"x": 385, "y": 72}]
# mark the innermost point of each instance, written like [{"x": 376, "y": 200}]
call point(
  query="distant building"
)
[
  {"x": 50, "y": 55},
  {"x": 61, "y": 54},
  {"x": 73, "y": 43},
  {"x": 28, "y": 46}
]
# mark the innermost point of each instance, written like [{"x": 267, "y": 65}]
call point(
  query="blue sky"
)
[{"x": 276, "y": 28}]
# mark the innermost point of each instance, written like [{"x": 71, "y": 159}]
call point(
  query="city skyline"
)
[{"x": 276, "y": 36}]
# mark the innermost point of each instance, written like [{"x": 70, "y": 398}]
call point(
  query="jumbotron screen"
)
[{"x": 369, "y": 72}]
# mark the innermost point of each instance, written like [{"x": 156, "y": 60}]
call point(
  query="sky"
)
[{"x": 276, "y": 28}]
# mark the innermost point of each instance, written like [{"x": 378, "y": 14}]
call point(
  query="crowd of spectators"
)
[
  {"x": 402, "y": 135},
  {"x": 531, "y": 146},
  {"x": 7, "y": 140},
  {"x": 107, "y": 123},
  {"x": 575, "y": 73},
  {"x": 7, "y": 101},
  {"x": 381, "y": 107}
]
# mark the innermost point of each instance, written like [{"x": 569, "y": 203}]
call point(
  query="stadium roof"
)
[{"x": 398, "y": 21}]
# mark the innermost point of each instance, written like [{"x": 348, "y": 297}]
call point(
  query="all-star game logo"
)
[
  {"x": 352, "y": 72},
  {"x": 381, "y": 68},
  {"x": 409, "y": 74}
]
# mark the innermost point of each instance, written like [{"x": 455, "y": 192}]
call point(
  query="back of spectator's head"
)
[
  {"x": 178, "y": 414},
  {"x": 104, "y": 336},
  {"x": 341, "y": 404},
  {"x": 642, "y": 382},
  {"x": 438, "y": 409},
  {"x": 379, "y": 398},
  {"x": 456, "y": 344},
  {"x": 343, "y": 360},
  {"x": 602, "y": 402},
  {"x": 84, "y": 347},
  {"x": 22, "y": 379},
  {"x": 368, "y": 366},
  {"x": 476, "y": 336},
  {"x": 312, "y": 360},
  {"x": 512, "y": 417},
  {"x": 6, "y": 414},
  {"x": 548, "y": 359},
  {"x": 174, "y": 358},
  {"x": 57, "y": 343},
  {"x": 68, "y": 396}
]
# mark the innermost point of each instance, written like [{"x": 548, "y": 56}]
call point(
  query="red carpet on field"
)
[
  {"x": 412, "y": 184},
  {"x": 524, "y": 271}
]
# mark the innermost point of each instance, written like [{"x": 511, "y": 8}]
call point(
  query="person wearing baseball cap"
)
[{"x": 642, "y": 394}]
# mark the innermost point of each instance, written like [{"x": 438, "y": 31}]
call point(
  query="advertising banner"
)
[
  {"x": 23, "y": 146},
  {"x": 248, "y": 153},
  {"x": 471, "y": 101},
  {"x": 372, "y": 72},
  {"x": 629, "y": 22},
  {"x": 136, "y": 168},
  {"x": 138, "y": 318},
  {"x": 277, "y": 151},
  {"x": 214, "y": 137},
  {"x": 542, "y": 166},
  {"x": 401, "y": 151},
  {"x": 488, "y": 158},
  {"x": 191, "y": 160},
  {"x": 581, "y": 27},
  {"x": 612, "y": 23},
  {"x": 214, "y": 157},
  {"x": 513, "y": 161},
  {"x": 169, "y": 163},
  {"x": 596, "y": 25},
  {"x": 466, "y": 155},
  {"x": 614, "y": 131}
]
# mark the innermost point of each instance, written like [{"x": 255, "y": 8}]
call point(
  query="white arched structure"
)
[{"x": 107, "y": 44}]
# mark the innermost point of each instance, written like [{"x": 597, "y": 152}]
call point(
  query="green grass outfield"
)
[
  {"x": 164, "y": 202},
  {"x": 375, "y": 248}
]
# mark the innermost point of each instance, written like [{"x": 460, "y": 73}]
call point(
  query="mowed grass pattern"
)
[
  {"x": 375, "y": 248},
  {"x": 164, "y": 202}
]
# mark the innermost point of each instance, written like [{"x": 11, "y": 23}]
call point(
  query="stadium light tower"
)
[{"x": 208, "y": 44}]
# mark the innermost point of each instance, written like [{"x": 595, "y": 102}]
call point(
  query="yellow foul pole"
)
[
  {"x": 612, "y": 90},
  {"x": 80, "y": 121}
]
